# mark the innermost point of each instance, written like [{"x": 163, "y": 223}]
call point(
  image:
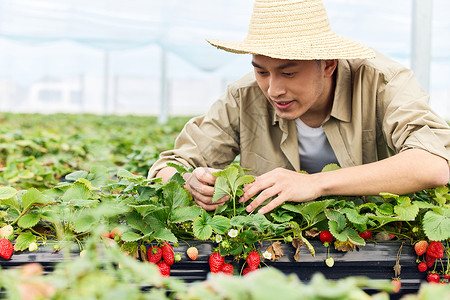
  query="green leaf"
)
[
  {"x": 130, "y": 236},
  {"x": 221, "y": 189},
  {"x": 165, "y": 235},
  {"x": 220, "y": 224},
  {"x": 354, "y": 217},
  {"x": 29, "y": 220},
  {"x": 281, "y": 217},
  {"x": 437, "y": 225},
  {"x": 440, "y": 193},
  {"x": 180, "y": 169},
  {"x": 84, "y": 223},
  {"x": 336, "y": 216},
  {"x": 75, "y": 175},
  {"x": 98, "y": 176},
  {"x": 78, "y": 190},
  {"x": 386, "y": 209},
  {"x": 201, "y": 228},
  {"x": 146, "y": 209},
  {"x": 242, "y": 181},
  {"x": 407, "y": 211},
  {"x": 383, "y": 220},
  {"x": 33, "y": 196},
  {"x": 7, "y": 192},
  {"x": 50, "y": 216},
  {"x": 389, "y": 196},
  {"x": 122, "y": 173},
  {"x": 309, "y": 210},
  {"x": 183, "y": 214},
  {"x": 175, "y": 195},
  {"x": 258, "y": 222},
  {"x": 249, "y": 237},
  {"x": 8, "y": 197},
  {"x": 336, "y": 232},
  {"x": 423, "y": 204},
  {"x": 354, "y": 237},
  {"x": 331, "y": 167},
  {"x": 135, "y": 221},
  {"x": 236, "y": 249},
  {"x": 24, "y": 240}
]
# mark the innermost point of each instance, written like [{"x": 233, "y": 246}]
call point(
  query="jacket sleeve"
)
[{"x": 407, "y": 118}]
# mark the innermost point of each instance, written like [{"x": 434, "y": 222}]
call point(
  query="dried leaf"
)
[
  {"x": 297, "y": 243},
  {"x": 312, "y": 233},
  {"x": 344, "y": 246},
  {"x": 276, "y": 250},
  {"x": 143, "y": 253}
]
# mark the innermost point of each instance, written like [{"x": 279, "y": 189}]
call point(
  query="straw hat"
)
[{"x": 294, "y": 30}]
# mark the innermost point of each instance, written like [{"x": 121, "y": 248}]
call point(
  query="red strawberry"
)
[
  {"x": 164, "y": 269},
  {"x": 430, "y": 260},
  {"x": 253, "y": 260},
  {"x": 6, "y": 248},
  {"x": 227, "y": 269},
  {"x": 167, "y": 253},
  {"x": 421, "y": 247},
  {"x": 396, "y": 285},
  {"x": 325, "y": 236},
  {"x": 154, "y": 254},
  {"x": 192, "y": 253},
  {"x": 422, "y": 267},
  {"x": 216, "y": 262},
  {"x": 435, "y": 249},
  {"x": 246, "y": 271},
  {"x": 433, "y": 277},
  {"x": 366, "y": 234}
]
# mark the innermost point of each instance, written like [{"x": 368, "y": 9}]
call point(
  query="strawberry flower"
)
[
  {"x": 267, "y": 255},
  {"x": 233, "y": 233},
  {"x": 218, "y": 238}
]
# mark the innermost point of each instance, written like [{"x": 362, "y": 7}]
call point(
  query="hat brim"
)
[{"x": 328, "y": 47}]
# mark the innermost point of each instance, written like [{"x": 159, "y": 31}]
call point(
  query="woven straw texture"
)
[{"x": 295, "y": 30}]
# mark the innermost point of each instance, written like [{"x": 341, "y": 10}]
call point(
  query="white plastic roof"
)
[{"x": 57, "y": 38}]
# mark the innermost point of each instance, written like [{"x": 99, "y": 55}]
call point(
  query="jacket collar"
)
[{"x": 342, "y": 104}]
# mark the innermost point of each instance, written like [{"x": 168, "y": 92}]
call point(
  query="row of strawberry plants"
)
[{"x": 139, "y": 211}]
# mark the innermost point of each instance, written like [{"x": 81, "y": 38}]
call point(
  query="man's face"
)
[{"x": 295, "y": 88}]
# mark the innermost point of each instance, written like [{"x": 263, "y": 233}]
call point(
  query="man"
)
[{"x": 314, "y": 98}]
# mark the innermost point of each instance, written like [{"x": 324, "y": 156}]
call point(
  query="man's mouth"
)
[{"x": 283, "y": 104}]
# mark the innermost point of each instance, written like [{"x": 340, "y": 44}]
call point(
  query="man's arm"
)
[{"x": 409, "y": 171}]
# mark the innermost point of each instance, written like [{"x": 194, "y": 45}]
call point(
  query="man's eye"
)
[
  {"x": 262, "y": 73},
  {"x": 288, "y": 74}
]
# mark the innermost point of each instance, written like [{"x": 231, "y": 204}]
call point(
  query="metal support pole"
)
[
  {"x": 164, "y": 105},
  {"x": 105, "y": 82},
  {"x": 421, "y": 41}
]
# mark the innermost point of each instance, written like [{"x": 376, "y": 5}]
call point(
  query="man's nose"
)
[{"x": 276, "y": 88}]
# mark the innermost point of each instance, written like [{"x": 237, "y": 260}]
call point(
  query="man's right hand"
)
[{"x": 200, "y": 184}]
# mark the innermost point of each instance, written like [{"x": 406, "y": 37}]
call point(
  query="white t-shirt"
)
[{"x": 314, "y": 149}]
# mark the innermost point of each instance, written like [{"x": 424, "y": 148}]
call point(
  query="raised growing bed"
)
[{"x": 375, "y": 261}]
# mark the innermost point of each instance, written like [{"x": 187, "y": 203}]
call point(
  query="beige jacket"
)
[{"x": 379, "y": 109}]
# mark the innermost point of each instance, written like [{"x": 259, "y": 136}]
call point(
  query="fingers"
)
[{"x": 200, "y": 184}]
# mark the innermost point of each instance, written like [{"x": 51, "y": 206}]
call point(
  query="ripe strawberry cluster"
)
[
  {"x": 431, "y": 252},
  {"x": 163, "y": 257},
  {"x": 217, "y": 263}
]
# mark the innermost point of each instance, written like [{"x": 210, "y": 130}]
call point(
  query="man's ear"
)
[{"x": 329, "y": 66}]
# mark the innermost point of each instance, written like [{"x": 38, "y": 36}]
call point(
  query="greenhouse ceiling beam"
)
[{"x": 421, "y": 41}]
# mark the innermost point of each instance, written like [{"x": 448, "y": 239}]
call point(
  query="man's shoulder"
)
[
  {"x": 380, "y": 65},
  {"x": 246, "y": 81}
]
